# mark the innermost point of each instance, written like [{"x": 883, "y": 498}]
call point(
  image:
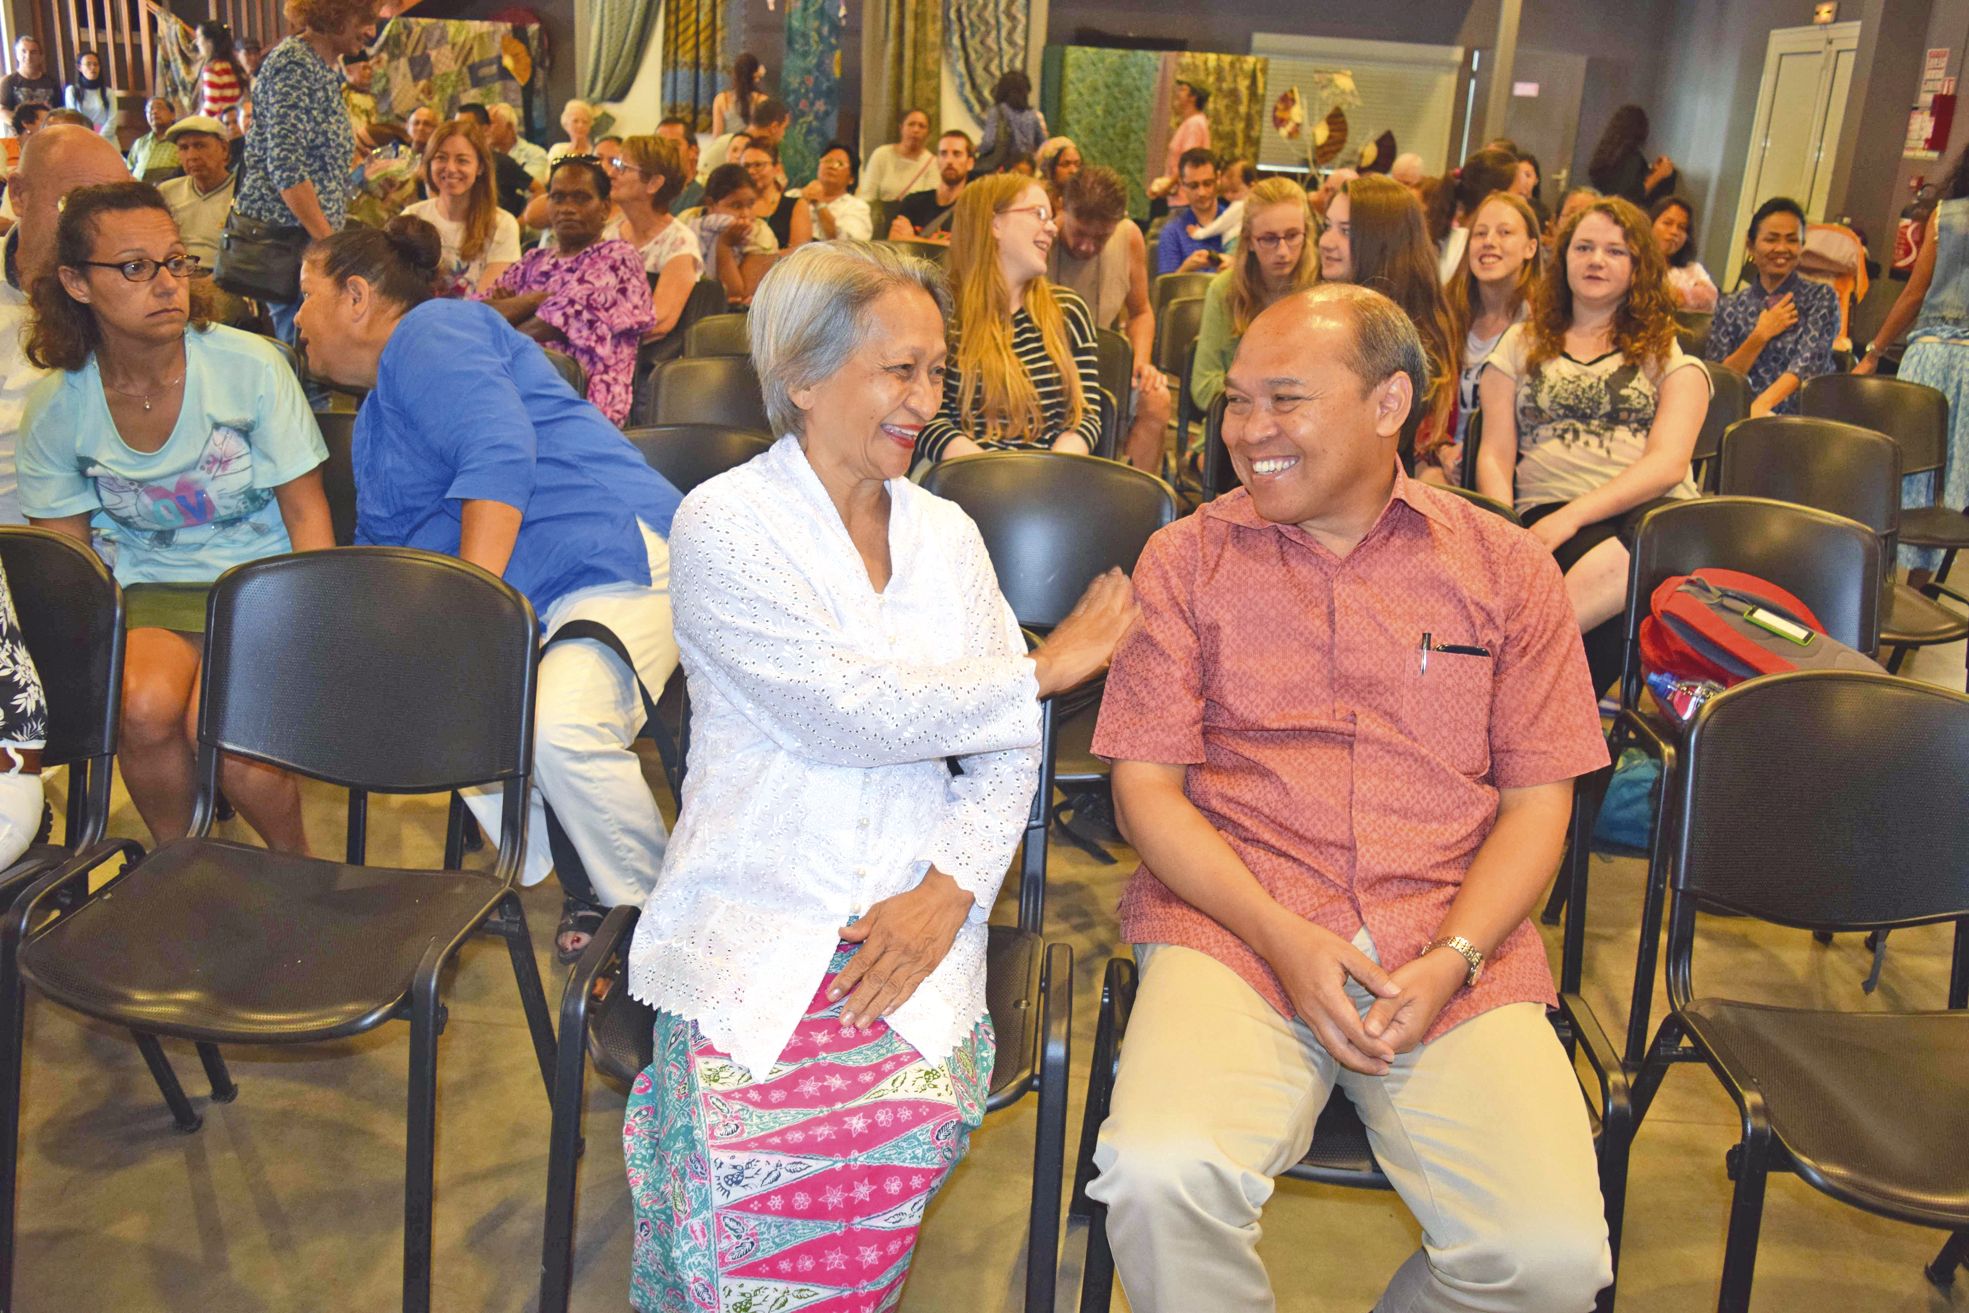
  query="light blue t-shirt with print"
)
[{"x": 204, "y": 501}]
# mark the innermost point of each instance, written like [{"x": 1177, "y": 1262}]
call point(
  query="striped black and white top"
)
[{"x": 1046, "y": 380}]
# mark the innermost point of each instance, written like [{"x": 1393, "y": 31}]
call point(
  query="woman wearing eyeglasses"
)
[
  {"x": 1024, "y": 367},
  {"x": 188, "y": 448},
  {"x": 1276, "y": 256}
]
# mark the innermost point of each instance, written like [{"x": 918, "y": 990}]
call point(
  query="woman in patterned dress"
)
[
  {"x": 586, "y": 294},
  {"x": 815, "y": 946},
  {"x": 1591, "y": 412}
]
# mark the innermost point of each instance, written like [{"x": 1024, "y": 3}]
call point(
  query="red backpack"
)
[{"x": 1728, "y": 626}]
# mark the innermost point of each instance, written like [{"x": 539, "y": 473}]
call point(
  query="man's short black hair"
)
[
  {"x": 766, "y": 111},
  {"x": 1198, "y": 94},
  {"x": 476, "y": 113},
  {"x": 1194, "y": 158}
]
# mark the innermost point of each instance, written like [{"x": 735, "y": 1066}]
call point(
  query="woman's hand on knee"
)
[
  {"x": 902, "y": 940},
  {"x": 1554, "y": 530}
]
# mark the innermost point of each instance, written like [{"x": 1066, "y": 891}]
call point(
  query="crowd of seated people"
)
[{"x": 1350, "y": 335}]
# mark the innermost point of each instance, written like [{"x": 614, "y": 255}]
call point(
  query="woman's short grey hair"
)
[{"x": 811, "y": 314}]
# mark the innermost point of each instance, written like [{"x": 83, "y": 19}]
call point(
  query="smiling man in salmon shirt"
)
[{"x": 1344, "y": 738}]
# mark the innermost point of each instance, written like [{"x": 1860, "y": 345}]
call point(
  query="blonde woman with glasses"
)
[
  {"x": 1276, "y": 256},
  {"x": 1024, "y": 364}
]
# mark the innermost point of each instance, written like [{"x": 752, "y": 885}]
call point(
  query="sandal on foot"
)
[{"x": 580, "y": 920}]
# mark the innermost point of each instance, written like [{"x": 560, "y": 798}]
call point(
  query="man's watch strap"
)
[{"x": 1464, "y": 949}]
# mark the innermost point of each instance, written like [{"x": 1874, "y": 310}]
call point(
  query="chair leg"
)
[
  {"x": 13, "y": 1003},
  {"x": 1097, "y": 1273},
  {"x": 167, "y": 1082},
  {"x": 1746, "y": 1217},
  {"x": 1942, "y": 1271},
  {"x": 1049, "y": 1147},
  {"x": 1100, "y": 1086},
  {"x": 420, "y": 1134},
  {"x": 563, "y": 1164},
  {"x": 1569, "y": 888},
  {"x": 510, "y": 920},
  {"x": 223, "y": 1090}
]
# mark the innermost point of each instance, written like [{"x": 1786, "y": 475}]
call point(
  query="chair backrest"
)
[
  {"x": 1692, "y": 330},
  {"x": 1117, "y": 366},
  {"x": 1052, "y": 522},
  {"x": 71, "y": 618},
  {"x": 1729, "y": 401},
  {"x": 338, "y": 472},
  {"x": 720, "y": 390},
  {"x": 379, "y": 668},
  {"x": 1165, "y": 288},
  {"x": 707, "y": 298},
  {"x": 718, "y": 335},
  {"x": 1828, "y": 562},
  {"x": 1822, "y": 463},
  {"x": 1825, "y": 800},
  {"x": 880, "y": 215},
  {"x": 1176, "y": 327},
  {"x": 287, "y": 353},
  {"x": 1111, "y": 421},
  {"x": 1491, "y": 504},
  {"x": 937, "y": 253},
  {"x": 688, "y": 454},
  {"x": 1218, "y": 475},
  {"x": 568, "y": 368},
  {"x": 1912, "y": 414},
  {"x": 1473, "y": 442}
]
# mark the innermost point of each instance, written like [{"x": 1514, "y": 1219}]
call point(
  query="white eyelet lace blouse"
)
[{"x": 822, "y": 715}]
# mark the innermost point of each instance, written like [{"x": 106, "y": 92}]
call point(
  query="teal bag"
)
[{"x": 1628, "y": 811}]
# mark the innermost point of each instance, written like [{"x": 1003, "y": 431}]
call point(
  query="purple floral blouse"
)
[{"x": 599, "y": 301}]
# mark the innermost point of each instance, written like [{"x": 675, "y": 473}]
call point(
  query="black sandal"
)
[{"x": 578, "y": 917}]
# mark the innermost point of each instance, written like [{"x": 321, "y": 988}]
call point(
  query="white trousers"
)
[
  {"x": 586, "y": 713},
  {"x": 20, "y": 815},
  {"x": 1482, "y": 1132}
]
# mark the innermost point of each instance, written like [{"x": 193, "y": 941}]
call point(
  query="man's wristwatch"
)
[{"x": 1463, "y": 948}]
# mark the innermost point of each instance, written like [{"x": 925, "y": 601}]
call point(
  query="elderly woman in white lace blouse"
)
[{"x": 815, "y": 946}]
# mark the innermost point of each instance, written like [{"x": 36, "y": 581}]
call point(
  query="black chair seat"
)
[
  {"x": 1823, "y": 1076},
  {"x": 1934, "y": 526},
  {"x": 619, "y": 1040},
  {"x": 37, "y": 861},
  {"x": 340, "y": 974},
  {"x": 1340, "y": 1154},
  {"x": 1910, "y": 619},
  {"x": 1074, "y": 759}
]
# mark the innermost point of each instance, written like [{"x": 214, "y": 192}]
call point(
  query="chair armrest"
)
[
  {"x": 1646, "y": 727},
  {"x": 1936, "y": 592},
  {"x": 1616, "y": 1092},
  {"x": 608, "y": 945},
  {"x": 65, "y": 889}
]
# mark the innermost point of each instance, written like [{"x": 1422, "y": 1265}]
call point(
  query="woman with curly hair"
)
[
  {"x": 1275, "y": 257},
  {"x": 1591, "y": 412},
  {"x": 183, "y": 448},
  {"x": 1024, "y": 361}
]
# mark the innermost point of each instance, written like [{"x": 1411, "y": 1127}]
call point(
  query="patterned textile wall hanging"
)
[
  {"x": 695, "y": 34},
  {"x": 912, "y": 64},
  {"x": 1105, "y": 102},
  {"x": 444, "y": 62},
  {"x": 621, "y": 34},
  {"x": 1236, "y": 84},
  {"x": 811, "y": 84},
  {"x": 984, "y": 38}
]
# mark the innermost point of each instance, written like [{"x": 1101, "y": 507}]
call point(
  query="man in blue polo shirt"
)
[{"x": 1178, "y": 252}]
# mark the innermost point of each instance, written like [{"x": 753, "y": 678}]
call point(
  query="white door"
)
[{"x": 1808, "y": 72}]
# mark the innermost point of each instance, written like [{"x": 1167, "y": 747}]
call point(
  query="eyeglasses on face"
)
[
  {"x": 1043, "y": 213},
  {"x": 142, "y": 269},
  {"x": 1278, "y": 241}
]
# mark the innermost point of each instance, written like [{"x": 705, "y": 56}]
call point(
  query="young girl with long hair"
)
[
  {"x": 1591, "y": 412},
  {"x": 222, "y": 82},
  {"x": 1275, "y": 257},
  {"x": 1490, "y": 292},
  {"x": 1024, "y": 363}
]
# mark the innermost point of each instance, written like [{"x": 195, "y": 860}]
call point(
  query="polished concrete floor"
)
[{"x": 289, "y": 1198}]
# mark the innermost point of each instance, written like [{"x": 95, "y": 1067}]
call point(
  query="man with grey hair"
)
[
  {"x": 1346, "y": 808},
  {"x": 54, "y": 162},
  {"x": 503, "y": 135}
]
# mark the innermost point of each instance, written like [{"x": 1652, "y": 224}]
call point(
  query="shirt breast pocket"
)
[{"x": 1447, "y": 709}]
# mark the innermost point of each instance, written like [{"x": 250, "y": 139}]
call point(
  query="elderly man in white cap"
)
[{"x": 201, "y": 200}]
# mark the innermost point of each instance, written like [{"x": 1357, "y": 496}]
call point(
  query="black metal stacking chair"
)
[
  {"x": 1341, "y": 1153},
  {"x": 688, "y": 454},
  {"x": 1913, "y": 415},
  {"x": 1164, "y": 288},
  {"x": 1051, "y": 523},
  {"x": 1692, "y": 330},
  {"x": 707, "y": 298},
  {"x": 1176, "y": 330},
  {"x": 937, "y": 253},
  {"x": 721, "y": 390},
  {"x": 1117, "y": 372},
  {"x": 1857, "y": 824},
  {"x": 1828, "y": 562},
  {"x": 569, "y": 369},
  {"x": 222, "y": 943},
  {"x": 1219, "y": 477},
  {"x": 1491, "y": 504},
  {"x": 338, "y": 472},
  {"x": 718, "y": 335},
  {"x": 1849, "y": 471},
  {"x": 1729, "y": 401}
]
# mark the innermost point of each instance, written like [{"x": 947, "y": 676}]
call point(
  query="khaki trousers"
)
[{"x": 1482, "y": 1132}]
